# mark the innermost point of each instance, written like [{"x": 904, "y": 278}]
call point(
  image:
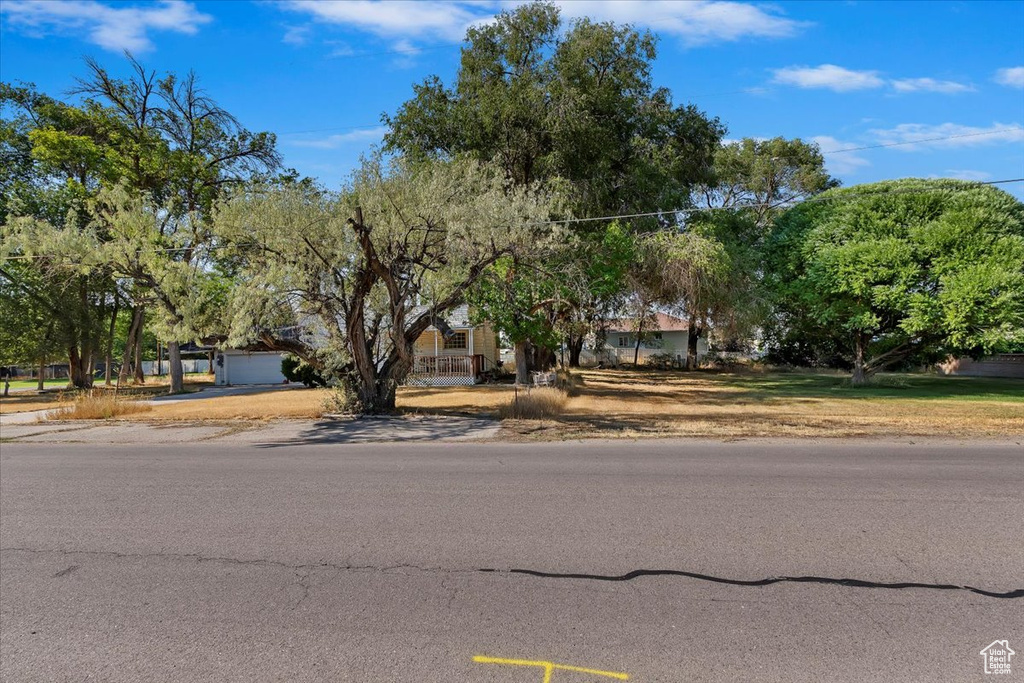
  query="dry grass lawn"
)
[
  {"x": 624, "y": 403},
  {"x": 24, "y": 401}
]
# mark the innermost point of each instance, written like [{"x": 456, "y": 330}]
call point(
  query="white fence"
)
[{"x": 149, "y": 367}]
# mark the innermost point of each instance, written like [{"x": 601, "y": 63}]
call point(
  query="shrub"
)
[
  {"x": 296, "y": 370},
  {"x": 534, "y": 404},
  {"x": 101, "y": 406}
]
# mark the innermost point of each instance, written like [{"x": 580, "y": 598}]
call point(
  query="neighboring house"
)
[
  {"x": 238, "y": 366},
  {"x": 454, "y": 352},
  {"x": 668, "y": 335},
  {"x": 1000, "y": 365}
]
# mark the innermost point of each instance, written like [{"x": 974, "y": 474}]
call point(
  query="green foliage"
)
[
  {"x": 296, "y": 370},
  {"x": 352, "y": 268},
  {"x": 901, "y": 268},
  {"x": 573, "y": 106},
  {"x": 765, "y": 176}
]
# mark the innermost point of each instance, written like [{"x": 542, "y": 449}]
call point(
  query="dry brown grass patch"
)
[
  {"x": 290, "y": 403},
  {"x": 534, "y": 404},
  {"x": 101, "y": 406}
]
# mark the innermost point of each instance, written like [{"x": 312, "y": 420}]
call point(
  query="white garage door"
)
[{"x": 254, "y": 368}]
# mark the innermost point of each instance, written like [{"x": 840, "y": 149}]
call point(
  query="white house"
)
[{"x": 667, "y": 335}]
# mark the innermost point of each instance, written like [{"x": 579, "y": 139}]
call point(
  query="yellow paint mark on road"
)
[{"x": 549, "y": 667}]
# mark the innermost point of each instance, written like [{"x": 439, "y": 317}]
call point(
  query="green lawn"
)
[
  {"x": 32, "y": 384},
  {"x": 882, "y": 386},
  {"x": 150, "y": 379}
]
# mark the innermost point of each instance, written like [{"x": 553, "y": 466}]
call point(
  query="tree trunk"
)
[
  {"x": 129, "y": 345},
  {"x": 543, "y": 358},
  {"x": 140, "y": 376},
  {"x": 860, "y": 375},
  {"x": 108, "y": 371},
  {"x": 79, "y": 365},
  {"x": 522, "y": 368},
  {"x": 639, "y": 336},
  {"x": 575, "y": 350},
  {"x": 693, "y": 333},
  {"x": 175, "y": 370},
  {"x": 209, "y": 368},
  {"x": 40, "y": 382}
]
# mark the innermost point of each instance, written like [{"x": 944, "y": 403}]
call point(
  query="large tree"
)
[
  {"x": 163, "y": 141},
  {"x": 887, "y": 271},
  {"x": 574, "y": 108},
  {"x": 363, "y": 273}
]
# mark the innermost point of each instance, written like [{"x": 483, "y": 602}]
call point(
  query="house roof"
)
[
  {"x": 663, "y": 323},
  {"x": 457, "y": 318}
]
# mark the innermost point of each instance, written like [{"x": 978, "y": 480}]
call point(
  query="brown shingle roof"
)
[{"x": 663, "y": 323}]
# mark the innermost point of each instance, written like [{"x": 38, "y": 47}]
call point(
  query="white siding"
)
[{"x": 259, "y": 367}]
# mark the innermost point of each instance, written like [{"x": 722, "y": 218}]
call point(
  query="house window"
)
[
  {"x": 624, "y": 340},
  {"x": 456, "y": 341}
]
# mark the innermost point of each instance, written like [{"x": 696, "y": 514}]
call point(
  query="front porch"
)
[{"x": 434, "y": 371}]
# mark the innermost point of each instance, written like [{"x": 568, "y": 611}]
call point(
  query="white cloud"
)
[
  {"x": 1012, "y": 76},
  {"x": 697, "y": 22},
  {"x": 296, "y": 35},
  {"x": 917, "y": 136},
  {"x": 841, "y": 79},
  {"x": 967, "y": 174},
  {"x": 930, "y": 85},
  {"x": 113, "y": 27},
  {"x": 836, "y": 161},
  {"x": 402, "y": 18},
  {"x": 341, "y": 139},
  {"x": 828, "y": 76}
]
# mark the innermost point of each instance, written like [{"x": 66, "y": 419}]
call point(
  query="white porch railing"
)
[{"x": 443, "y": 366}]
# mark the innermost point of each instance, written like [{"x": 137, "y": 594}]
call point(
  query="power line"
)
[
  {"x": 648, "y": 214},
  {"x": 917, "y": 142}
]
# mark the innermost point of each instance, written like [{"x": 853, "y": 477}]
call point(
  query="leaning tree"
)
[{"x": 362, "y": 273}]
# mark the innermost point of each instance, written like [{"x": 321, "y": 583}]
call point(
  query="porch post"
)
[
  {"x": 471, "y": 341},
  {"x": 435, "y": 343}
]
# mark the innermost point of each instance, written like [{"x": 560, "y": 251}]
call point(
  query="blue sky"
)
[{"x": 320, "y": 73}]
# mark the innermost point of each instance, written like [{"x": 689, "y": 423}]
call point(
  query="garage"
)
[{"x": 248, "y": 367}]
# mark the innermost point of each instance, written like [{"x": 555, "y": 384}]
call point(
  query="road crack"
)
[
  {"x": 851, "y": 583},
  {"x": 629, "y": 576}
]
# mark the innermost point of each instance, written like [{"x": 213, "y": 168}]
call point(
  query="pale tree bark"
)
[
  {"x": 860, "y": 373},
  {"x": 522, "y": 365},
  {"x": 175, "y": 369}
]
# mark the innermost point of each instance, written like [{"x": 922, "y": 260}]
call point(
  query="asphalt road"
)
[{"x": 404, "y": 562}]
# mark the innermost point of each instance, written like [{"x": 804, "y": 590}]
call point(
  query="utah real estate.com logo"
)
[{"x": 997, "y": 657}]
